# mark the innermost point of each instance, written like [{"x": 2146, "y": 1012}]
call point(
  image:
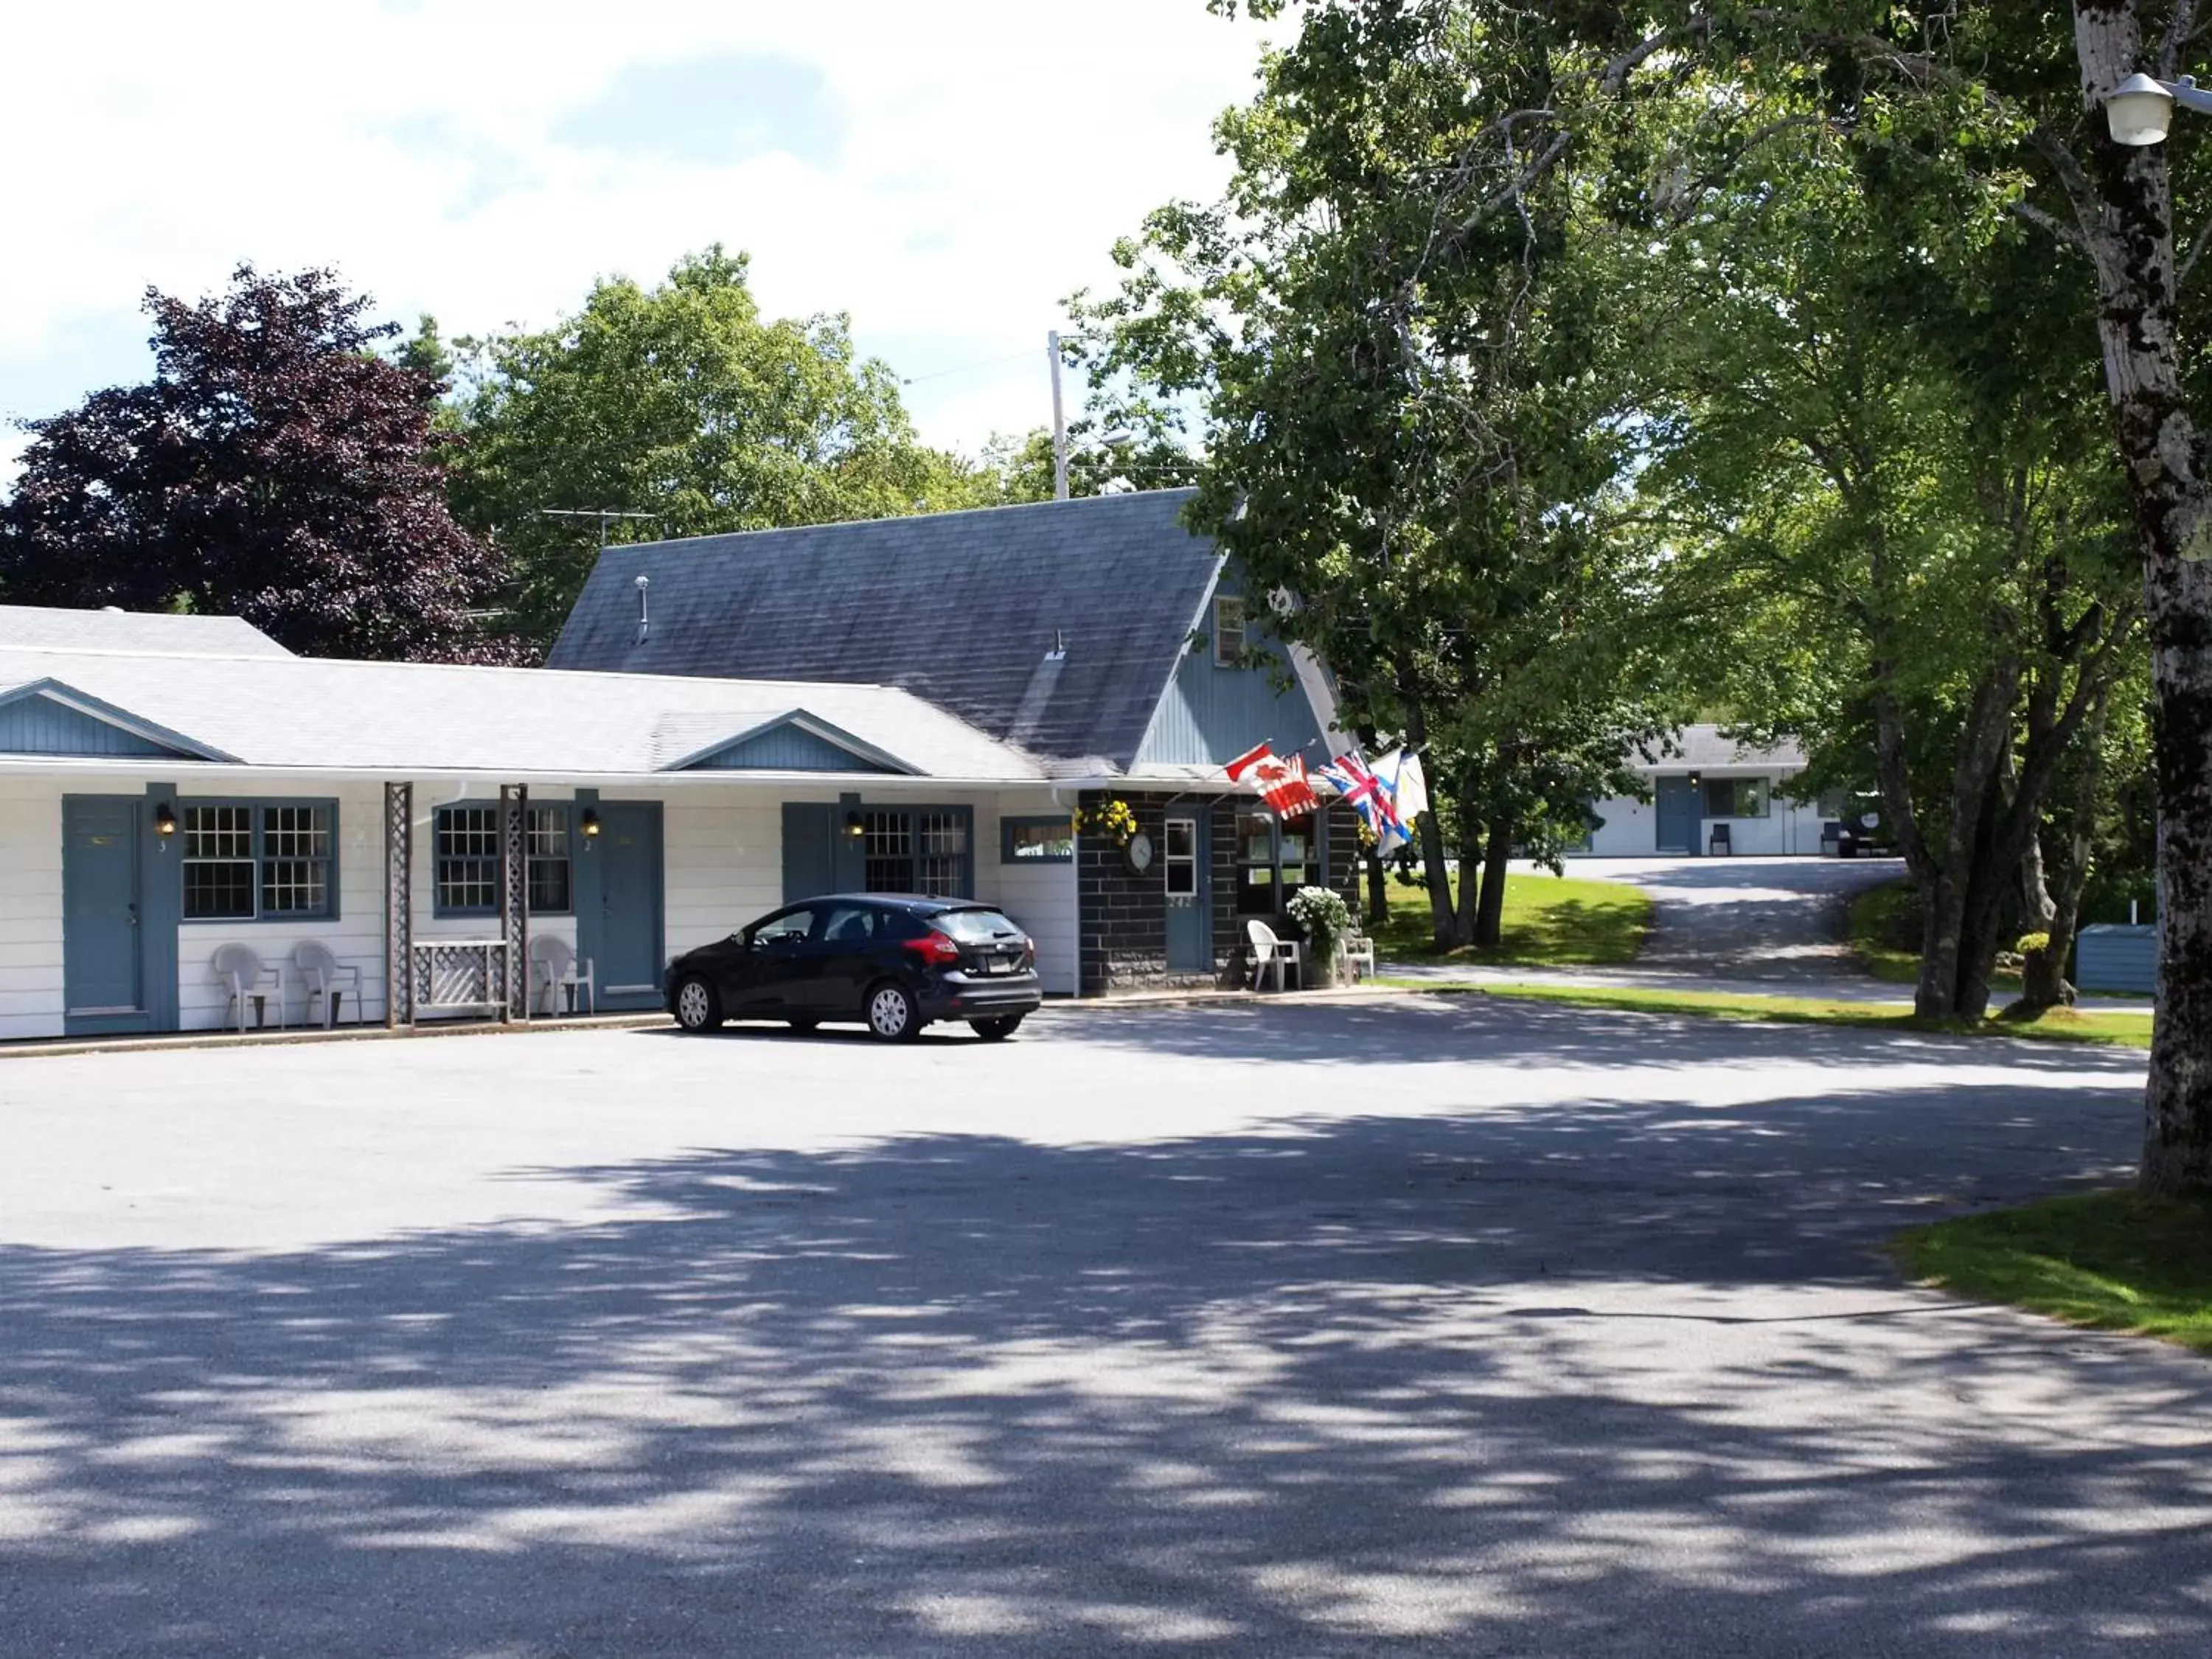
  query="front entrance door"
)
[
  {"x": 1185, "y": 872},
  {"x": 627, "y": 957},
  {"x": 1678, "y": 816},
  {"x": 103, "y": 969}
]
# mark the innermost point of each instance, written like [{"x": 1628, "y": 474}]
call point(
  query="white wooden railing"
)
[{"x": 459, "y": 976}]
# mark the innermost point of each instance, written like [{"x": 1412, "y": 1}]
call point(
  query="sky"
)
[{"x": 945, "y": 173}]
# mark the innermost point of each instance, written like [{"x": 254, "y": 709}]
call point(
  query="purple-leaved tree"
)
[{"x": 275, "y": 467}]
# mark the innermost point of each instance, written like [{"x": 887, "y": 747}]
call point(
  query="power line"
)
[{"x": 963, "y": 369}]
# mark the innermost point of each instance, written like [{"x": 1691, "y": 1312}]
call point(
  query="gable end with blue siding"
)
[
  {"x": 48, "y": 717},
  {"x": 797, "y": 743},
  {"x": 1209, "y": 714}
]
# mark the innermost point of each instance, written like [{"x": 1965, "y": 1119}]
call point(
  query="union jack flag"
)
[{"x": 1367, "y": 795}]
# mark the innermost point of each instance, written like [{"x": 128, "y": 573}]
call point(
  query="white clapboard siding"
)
[
  {"x": 31, "y": 902},
  {"x": 354, "y": 936},
  {"x": 1040, "y": 896}
]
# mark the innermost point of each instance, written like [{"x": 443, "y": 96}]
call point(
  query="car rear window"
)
[{"x": 974, "y": 927}]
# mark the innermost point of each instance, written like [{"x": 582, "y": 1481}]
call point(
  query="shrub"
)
[{"x": 1322, "y": 912}]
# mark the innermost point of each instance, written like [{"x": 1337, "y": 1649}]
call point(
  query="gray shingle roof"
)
[
  {"x": 1703, "y": 747},
  {"x": 399, "y": 718},
  {"x": 960, "y": 608},
  {"x": 44, "y": 626}
]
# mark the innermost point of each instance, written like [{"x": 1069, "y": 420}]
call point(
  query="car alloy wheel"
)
[
  {"x": 891, "y": 1013},
  {"x": 696, "y": 1006}
]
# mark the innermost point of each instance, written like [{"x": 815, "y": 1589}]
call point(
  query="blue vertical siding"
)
[
  {"x": 783, "y": 749},
  {"x": 1213, "y": 714},
  {"x": 37, "y": 725}
]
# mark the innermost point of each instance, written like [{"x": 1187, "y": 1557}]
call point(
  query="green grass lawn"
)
[
  {"x": 2057, "y": 1025},
  {"x": 2115, "y": 1261},
  {"x": 1550, "y": 922}
]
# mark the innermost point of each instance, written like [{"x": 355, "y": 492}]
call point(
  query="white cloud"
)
[{"x": 985, "y": 156}]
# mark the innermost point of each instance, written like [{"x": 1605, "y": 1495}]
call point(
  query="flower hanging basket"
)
[{"x": 1114, "y": 820}]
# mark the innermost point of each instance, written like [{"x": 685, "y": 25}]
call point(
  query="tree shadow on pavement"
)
[{"x": 1625, "y": 1380}]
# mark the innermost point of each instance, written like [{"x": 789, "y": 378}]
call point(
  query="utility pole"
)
[{"x": 1059, "y": 421}]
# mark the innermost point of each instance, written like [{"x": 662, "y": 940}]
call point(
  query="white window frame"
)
[
  {"x": 1172, "y": 861},
  {"x": 1229, "y": 620}
]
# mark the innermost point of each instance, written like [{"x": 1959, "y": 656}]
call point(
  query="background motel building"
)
[
  {"x": 1711, "y": 794},
  {"x": 170, "y": 785}
]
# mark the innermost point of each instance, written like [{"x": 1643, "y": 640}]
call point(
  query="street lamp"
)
[{"x": 2141, "y": 108}]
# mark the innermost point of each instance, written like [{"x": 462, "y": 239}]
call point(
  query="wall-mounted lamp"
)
[
  {"x": 589, "y": 824},
  {"x": 1695, "y": 778},
  {"x": 855, "y": 825},
  {"x": 165, "y": 819}
]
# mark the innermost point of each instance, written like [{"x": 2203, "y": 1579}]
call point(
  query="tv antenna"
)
[{"x": 605, "y": 515}]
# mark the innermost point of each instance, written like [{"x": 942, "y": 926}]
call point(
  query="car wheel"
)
[
  {"x": 698, "y": 1006},
  {"x": 996, "y": 1031},
  {"x": 803, "y": 1026},
  {"x": 892, "y": 1016}
]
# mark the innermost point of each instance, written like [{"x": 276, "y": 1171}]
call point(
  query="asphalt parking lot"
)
[{"x": 1432, "y": 1326}]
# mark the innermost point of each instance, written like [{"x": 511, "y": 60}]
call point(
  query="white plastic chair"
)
[
  {"x": 553, "y": 960},
  {"x": 1359, "y": 956},
  {"x": 248, "y": 979},
  {"x": 327, "y": 980},
  {"x": 1270, "y": 954}
]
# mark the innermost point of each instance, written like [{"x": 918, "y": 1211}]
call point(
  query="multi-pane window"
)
[
  {"x": 1255, "y": 864},
  {"x": 549, "y": 869},
  {"x": 1179, "y": 858},
  {"x": 467, "y": 855},
  {"x": 1735, "y": 797},
  {"x": 1271, "y": 861},
  {"x": 941, "y": 867},
  {"x": 924, "y": 851},
  {"x": 247, "y": 861},
  {"x": 887, "y": 852},
  {"x": 1228, "y": 631},
  {"x": 296, "y": 860},
  {"x": 468, "y": 859}
]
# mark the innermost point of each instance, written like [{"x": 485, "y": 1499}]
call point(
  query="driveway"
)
[
  {"x": 1408, "y": 1326},
  {"x": 1761, "y": 925},
  {"x": 1746, "y": 918}
]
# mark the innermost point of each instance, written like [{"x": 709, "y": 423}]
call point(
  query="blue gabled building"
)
[{"x": 1100, "y": 637}]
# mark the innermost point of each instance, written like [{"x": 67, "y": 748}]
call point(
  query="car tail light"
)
[{"x": 935, "y": 949}]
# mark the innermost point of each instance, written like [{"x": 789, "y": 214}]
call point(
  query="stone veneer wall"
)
[{"x": 1123, "y": 918}]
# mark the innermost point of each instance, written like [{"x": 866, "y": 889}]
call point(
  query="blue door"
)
[
  {"x": 103, "y": 969},
  {"x": 627, "y": 957},
  {"x": 1186, "y": 873},
  {"x": 1678, "y": 816}
]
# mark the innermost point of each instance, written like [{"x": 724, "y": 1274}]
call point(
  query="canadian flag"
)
[
  {"x": 1282, "y": 783},
  {"x": 1245, "y": 761}
]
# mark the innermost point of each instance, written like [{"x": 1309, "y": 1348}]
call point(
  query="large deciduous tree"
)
[
  {"x": 682, "y": 402},
  {"x": 1904, "y": 485},
  {"x": 2123, "y": 205},
  {"x": 275, "y": 467},
  {"x": 1402, "y": 325}
]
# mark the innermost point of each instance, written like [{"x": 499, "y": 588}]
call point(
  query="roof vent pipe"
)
[{"x": 644, "y": 621}]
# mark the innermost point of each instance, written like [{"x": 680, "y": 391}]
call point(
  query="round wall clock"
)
[{"x": 1137, "y": 852}]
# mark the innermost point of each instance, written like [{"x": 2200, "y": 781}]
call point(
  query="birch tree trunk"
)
[{"x": 2124, "y": 204}]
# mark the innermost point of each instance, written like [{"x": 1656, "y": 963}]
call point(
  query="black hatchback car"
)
[{"x": 894, "y": 963}]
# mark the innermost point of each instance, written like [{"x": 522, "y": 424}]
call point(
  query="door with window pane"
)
[
  {"x": 1183, "y": 874},
  {"x": 918, "y": 850}
]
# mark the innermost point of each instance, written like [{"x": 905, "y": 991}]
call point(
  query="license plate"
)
[{"x": 998, "y": 965}]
